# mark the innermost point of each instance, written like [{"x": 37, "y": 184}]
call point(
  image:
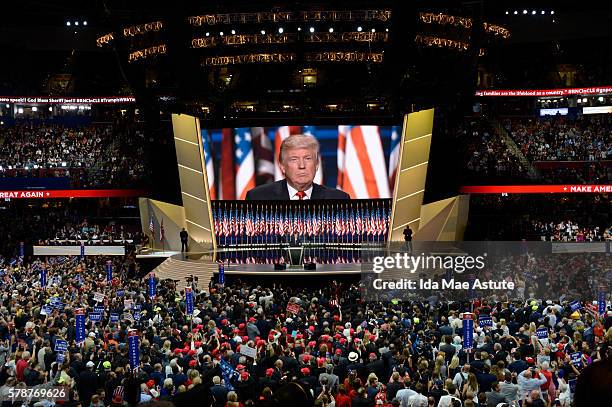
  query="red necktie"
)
[{"x": 300, "y": 195}]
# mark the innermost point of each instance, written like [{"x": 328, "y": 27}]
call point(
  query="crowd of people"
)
[
  {"x": 65, "y": 221},
  {"x": 242, "y": 346},
  {"x": 529, "y": 217},
  {"x": 588, "y": 138},
  {"x": 486, "y": 154},
  {"x": 568, "y": 231},
  {"x": 92, "y": 156}
]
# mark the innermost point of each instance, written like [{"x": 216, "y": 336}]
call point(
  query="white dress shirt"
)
[{"x": 293, "y": 192}]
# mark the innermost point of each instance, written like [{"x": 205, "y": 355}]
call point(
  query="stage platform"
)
[{"x": 155, "y": 254}]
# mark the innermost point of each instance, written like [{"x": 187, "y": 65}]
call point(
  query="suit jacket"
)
[{"x": 277, "y": 191}]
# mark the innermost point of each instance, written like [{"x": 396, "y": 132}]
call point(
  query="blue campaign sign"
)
[
  {"x": 601, "y": 303},
  {"x": 134, "y": 349},
  {"x": 60, "y": 357},
  {"x": 136, "y": 316},
  {"x": 221, "y": 274},
  {"x": 80, "y": 325},
  {"x": 120, "y": 293},
  {"x": 542, "y": 333},
  {"x": 95, "y": 317},
  {"x": 43, "y": 278},
  {"x": 109, "y": 270},
  {"x": 114, "y": 317},
  {"x": 189, "y": 300},
  {"x": 485, "y": 320},
  {"x": 46, "y": 310},
  {"x": 98, "y": 309},
  {"x": 152, "y": 286},
  {"x": 61, "y": 345},
  {"x": 575, "y": 306},
  {"x": 576, "y": 358},
  {"x": 468, "y": 331}
]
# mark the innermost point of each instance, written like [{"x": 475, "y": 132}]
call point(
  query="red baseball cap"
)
[
  {"x": 305, "y": 371},
  {"x": 269, "y": 372},
  {"x": 338, "y": 351},
  {"x": 193, "y": 363}
]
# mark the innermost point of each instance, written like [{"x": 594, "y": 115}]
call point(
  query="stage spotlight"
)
[
  {"x": 507, "y": 12},
  {"x": 359, "y": 28},
  {"x": 68, "y": 24},
  {"x": 280, "y": 30},
  {"x": 373, "y": 30},
  {"x": 76, "y": 23},
  {"x": 524, "y": 11},
  {"x": 233, "y": 32},
  {"x": 533, "y": 13},
  {"x": 601, "y": 98},
  {"x": 34, "y": 109},
  {"x": 386, "y": 30},
  {"x": 584, "y": 100},
  {"x": 311, "y": 29},
  {"x": 515, "y": 12},
  {"x": 208, "y": 34},
  {"x": 50, "y": 109},
  {"x": 543, "y": 12},
  {"x": 331, "y": 30},
  {"x": 263, "y": 32},
  {"x": 221, "y": 33},
  {"x": 7, "y": 105},
  {"x": 85, "y": 22},
  {"x": 552, "y": 12},
  {"x": 299, "y": 28},
  {"x": 20, "y": 110}
]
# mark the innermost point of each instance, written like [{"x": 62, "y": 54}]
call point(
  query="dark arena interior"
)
[{"x": 306, "y": 203}]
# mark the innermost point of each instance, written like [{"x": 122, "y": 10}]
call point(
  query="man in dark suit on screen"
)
[{"x": 299, "y": 161}]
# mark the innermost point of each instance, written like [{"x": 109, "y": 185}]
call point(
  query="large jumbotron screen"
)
[{"x": 238, "y": 159}]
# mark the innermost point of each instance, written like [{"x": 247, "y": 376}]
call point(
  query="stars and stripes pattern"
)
[
  {"x": 364, "y": 167},
  {"x": 208, "y": 159},
  {"x": 260, "y": 223},
  {"x": 250, "y": 156},
  {"x": 394, "y": 156},
  {"x": 245, "y": 162},
  {"x": 152, "y": 228}
]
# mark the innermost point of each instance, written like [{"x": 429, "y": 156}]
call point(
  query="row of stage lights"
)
[
  {"x": 311, "y": 29},
  {"x": 533, "y": 12},
  {"x": 76, "y": 23}
]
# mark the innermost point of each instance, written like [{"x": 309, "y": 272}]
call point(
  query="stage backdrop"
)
[{"x": 364, "y": 157}]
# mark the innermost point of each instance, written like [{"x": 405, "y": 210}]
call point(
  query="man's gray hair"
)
[{"x": 299, "y": 141}]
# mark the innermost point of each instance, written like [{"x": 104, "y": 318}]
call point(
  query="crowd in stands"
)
[
  {"x": 568, "y": 231},
  {"x": 97, "y": 155},
  {"x": 486, "y": 154},
  {"x": 558, "y": 139},
  {"x": 57, "y": 222},
  {"x": 541, "y": 141},
  {"x": 529, "y": 217},
  {"x": 355, "y": 354}
]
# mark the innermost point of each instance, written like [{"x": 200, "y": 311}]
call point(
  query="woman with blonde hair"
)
[
  {"x": 232, "y": 400},
  {"x": 470, "y": 388},
  {"x": 453, "y": 367}
]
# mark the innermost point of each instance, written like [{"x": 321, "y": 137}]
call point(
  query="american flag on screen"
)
[
  {"x": 264, "y": 153},
  {"x": 364, "y": 169},
  {"x": 208, "y": 159},
  {"x": 394, "y": 156},
  {"x": 245, "y": 162}
]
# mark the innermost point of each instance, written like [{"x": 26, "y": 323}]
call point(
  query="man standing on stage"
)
[
  {"x": 184, "y": 240},
  {"x": 299, "y": 161},
  {"x": 408, "y": 238}
]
